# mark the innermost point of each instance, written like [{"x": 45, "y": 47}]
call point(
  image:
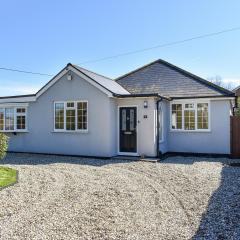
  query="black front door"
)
[{"x": 128, "y": 129}]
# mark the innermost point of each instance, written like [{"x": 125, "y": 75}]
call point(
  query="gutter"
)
[
  {"x": 215, "y": 96},
  {"x": 141, "y": 95}
]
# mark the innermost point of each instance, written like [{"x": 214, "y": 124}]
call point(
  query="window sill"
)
[
  {"x": 72, "y": 131},
  {"x": 16, "y": 131},
  {"x": 190, "y": 131}
]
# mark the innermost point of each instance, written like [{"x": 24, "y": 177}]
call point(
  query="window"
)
[
  {"x": 202, "y": 115},
  {"x": 59, "y": 116},
  {"x": 21, "y": 118},
  {"x": 82, "y": 115},
  {"x": 190, "y": 116},
  {"x": 12, "y": 119},
  {"x": 9, "y": 119},
  {"x": 71, "y": 116},
  {"x": 176, "y": 116},
  {"x": 70, "y": 119}
]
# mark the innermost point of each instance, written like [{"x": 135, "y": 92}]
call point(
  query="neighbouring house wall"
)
[
  {"x": 215, "y": 141},
  {"x": 163, "y": 145},
  {"x": 237, "y": 92},
  {"x": 100, "y": 140},
  {"x": 146, "y": 128}
]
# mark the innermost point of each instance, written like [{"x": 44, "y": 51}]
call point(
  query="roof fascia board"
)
[{"x": 203, "y": 98}]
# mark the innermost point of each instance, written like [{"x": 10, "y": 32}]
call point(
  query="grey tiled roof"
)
[{"x": 169, "y": 81}]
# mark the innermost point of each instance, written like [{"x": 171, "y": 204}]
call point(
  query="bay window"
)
[
  {"x": 71, "y": 116},
  {"x": 13, "y": 119},
  {"x": 190, "y": 116}
]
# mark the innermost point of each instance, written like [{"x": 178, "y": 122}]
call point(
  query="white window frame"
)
[
  {"x": 76, "y": 116},
  {"x": 4, "y": 107},
  {"x": 195, "y": 102}
]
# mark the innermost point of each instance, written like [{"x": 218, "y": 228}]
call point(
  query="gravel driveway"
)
[{"x": 75, "y": 198}]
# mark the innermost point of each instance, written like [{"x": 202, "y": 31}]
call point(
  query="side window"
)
[
  {"x": 59, "y": 115},
  {"x": 9, "y": 119},
  {"x": 202, "y": 115},
  {"x": 176, "y": 116}
]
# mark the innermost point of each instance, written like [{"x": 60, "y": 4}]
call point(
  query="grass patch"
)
[{"x": 7, "y": 176}]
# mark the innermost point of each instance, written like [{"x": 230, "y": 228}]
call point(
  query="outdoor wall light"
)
[
  {"x": 145, "y": 104},
  {"x": 69, "y": 77}
]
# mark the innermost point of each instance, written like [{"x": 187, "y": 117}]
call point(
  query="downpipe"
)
[{"x": 158, "y": 124}]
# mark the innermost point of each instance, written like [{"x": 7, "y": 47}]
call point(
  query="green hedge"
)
[{"x": 3, "y": 145}]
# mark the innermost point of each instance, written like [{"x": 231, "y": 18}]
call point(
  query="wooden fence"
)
[{"x": 235, "y": 136}]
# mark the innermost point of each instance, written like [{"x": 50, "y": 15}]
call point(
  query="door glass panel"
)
[
  {"x": 124, "y": 120},
  {"x": 131, "y": 119}
]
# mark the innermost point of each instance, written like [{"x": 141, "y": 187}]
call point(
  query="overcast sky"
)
[{"x": 43, "y": 36}]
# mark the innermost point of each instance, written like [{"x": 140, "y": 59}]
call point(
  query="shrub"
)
[{"x": 3, "y": 145}]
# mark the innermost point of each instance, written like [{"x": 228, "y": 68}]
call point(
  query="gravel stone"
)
[{"x": 79, "y": 198}]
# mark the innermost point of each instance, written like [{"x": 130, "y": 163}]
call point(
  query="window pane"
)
[
  {"x": 70, "y": 104},
  {"x": 21, "y": 110},
  {"x": 202, "y": 115},
  {"x": 82, "y": 115},
  {"x": 21, "y": 122},
  {"x": 189, "y": 119},
  {"x": 70, "y": 119},
  {"x": 177, "y": 116},
  {"x": 9, "y": 119},
  {"x": 59, "y": 116},
  {"x": 1, "y": 119}
]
